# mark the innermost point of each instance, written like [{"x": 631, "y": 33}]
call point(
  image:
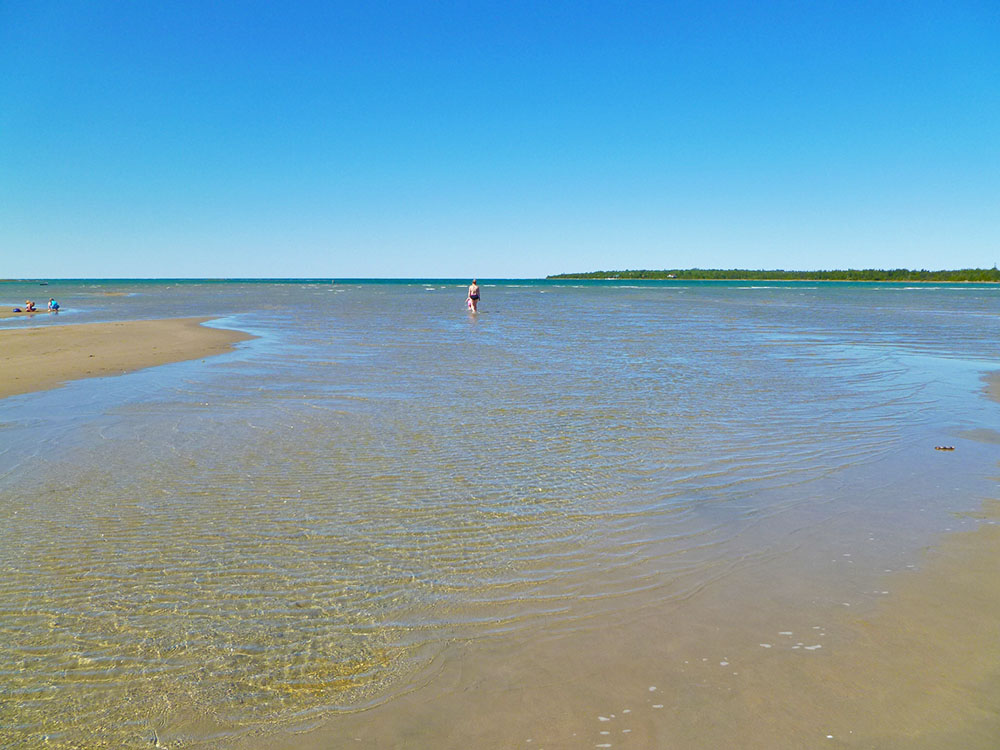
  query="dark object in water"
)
[{"x": 944, "y": 447}]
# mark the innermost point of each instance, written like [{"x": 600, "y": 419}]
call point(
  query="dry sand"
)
[{"x": 43, "y": 357}]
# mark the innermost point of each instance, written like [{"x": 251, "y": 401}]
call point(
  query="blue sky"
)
[{"x": 506, "y": 139}]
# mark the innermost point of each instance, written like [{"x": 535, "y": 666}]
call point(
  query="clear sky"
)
[{"x": 500, "y": 139}]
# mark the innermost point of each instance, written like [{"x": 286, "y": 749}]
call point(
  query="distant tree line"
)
[{"x": 851, "y": 274}]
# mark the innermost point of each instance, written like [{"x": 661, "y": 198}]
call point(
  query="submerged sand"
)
[
  {"x": 919, "y": 671},
  {"x": 36, "y": 359},
  {"x": 911, "y": 661}
]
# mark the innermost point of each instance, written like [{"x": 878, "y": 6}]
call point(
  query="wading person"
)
[{"x": 473, "y": 300}]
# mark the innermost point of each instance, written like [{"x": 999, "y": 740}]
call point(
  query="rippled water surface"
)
[{"x": 294, "y": 528}]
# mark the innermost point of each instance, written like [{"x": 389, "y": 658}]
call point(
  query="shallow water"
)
[{"x": 267, "y": 537}]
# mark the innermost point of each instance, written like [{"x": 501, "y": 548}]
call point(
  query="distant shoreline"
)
[
  {"x": 901, "y": 275},
  {"x": 973, "y": 276}
]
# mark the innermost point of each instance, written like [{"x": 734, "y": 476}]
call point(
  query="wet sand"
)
[
  {"x": 908, "y": 659},
  {"x": 11, "y": 314},
  {"x": 918, "y": 670},
  {"x": 992, "y": 381},
  {"x": 44, "y": 357}
]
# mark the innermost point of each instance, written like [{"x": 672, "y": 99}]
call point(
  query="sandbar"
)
[
  {"x": 992, "y": 388},
  {"x": 11, "y": 314},
  {"x": 44, "y": 357}
]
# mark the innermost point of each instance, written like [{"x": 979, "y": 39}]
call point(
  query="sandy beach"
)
[{"x": 36, "y": 359}]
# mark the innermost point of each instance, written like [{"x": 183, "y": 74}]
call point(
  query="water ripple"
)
[{"x": 286, "y": 531}]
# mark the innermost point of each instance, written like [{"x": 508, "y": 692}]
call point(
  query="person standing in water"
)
[{"x": 474, "y": 296}]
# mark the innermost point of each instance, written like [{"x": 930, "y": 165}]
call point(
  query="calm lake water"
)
[{"x": 296, "y": 528}]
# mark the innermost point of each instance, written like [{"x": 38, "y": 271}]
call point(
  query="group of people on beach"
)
[{"x": 29, "y": 306}]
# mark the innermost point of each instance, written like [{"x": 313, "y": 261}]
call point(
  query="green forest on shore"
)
[{"x": 868, "y": 274}]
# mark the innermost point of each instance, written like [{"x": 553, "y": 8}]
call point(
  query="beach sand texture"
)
[
  {"x": 39, "y": 358},
  {"x": 915, "y": 671}
]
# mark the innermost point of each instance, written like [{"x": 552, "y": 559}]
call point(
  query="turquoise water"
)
[{"x": 295, "y": 528}]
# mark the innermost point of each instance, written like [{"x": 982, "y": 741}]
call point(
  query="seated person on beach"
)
[
  {"x": 29, "y": 306},
  {"x": 53, "y": 305}
]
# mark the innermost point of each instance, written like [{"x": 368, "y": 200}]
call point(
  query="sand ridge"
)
[
  {"x": 11, "y": 314},
  {"x": 44, "y": 357},
  {"x": 992, "y": 385}
]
